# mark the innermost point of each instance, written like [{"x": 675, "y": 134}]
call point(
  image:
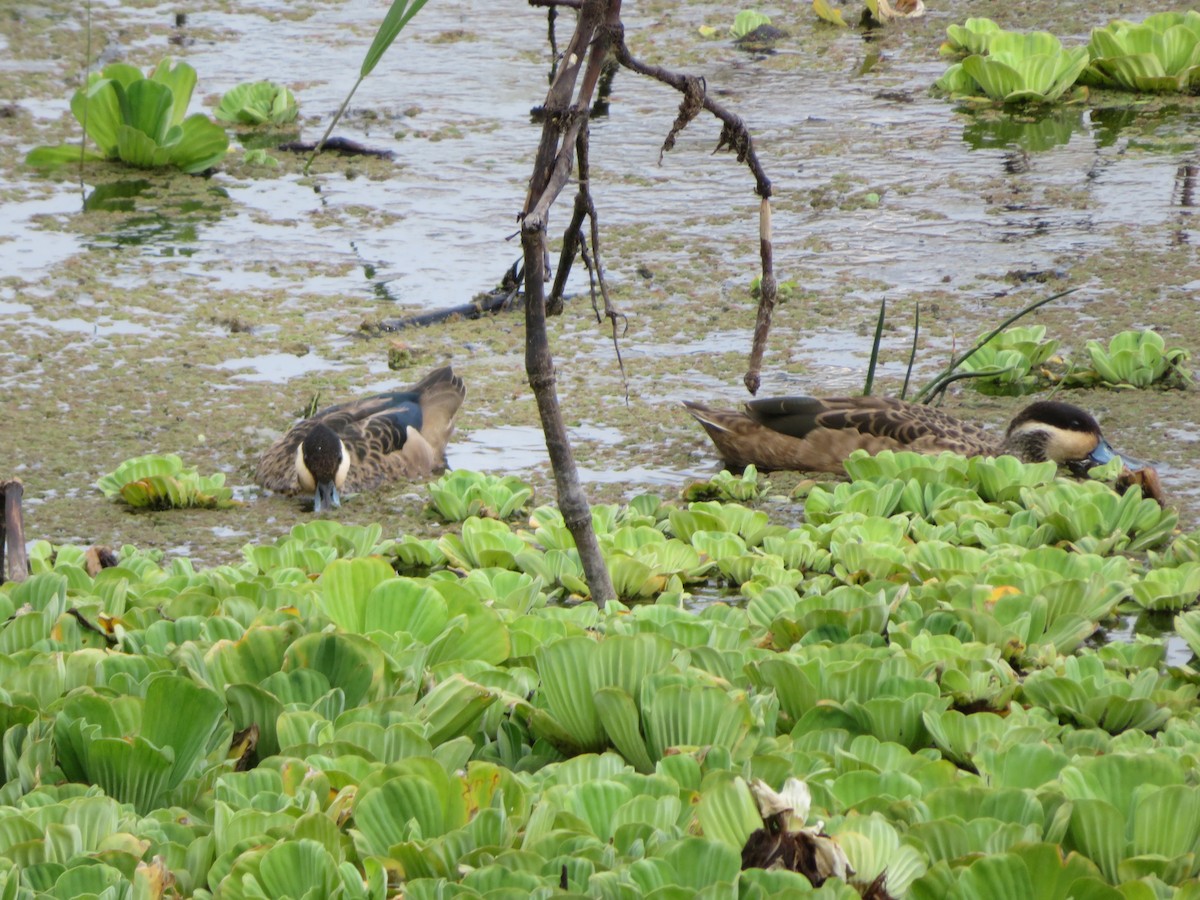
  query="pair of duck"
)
[{"x": 362, "y": 444}]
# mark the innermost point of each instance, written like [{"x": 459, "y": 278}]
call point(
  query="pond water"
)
[{"x": 226, "y": 303}]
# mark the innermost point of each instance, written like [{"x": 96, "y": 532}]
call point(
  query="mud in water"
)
[{"x": 145, "y": 312}]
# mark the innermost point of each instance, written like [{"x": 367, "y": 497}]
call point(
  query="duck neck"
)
[{"x": 1027, "y": 445}]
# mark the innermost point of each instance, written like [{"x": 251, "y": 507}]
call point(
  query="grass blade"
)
[
  {"x": 912, "y": 356},
  {"x": 939, "y": 384},
  {"x": 870, "y": 382},
  {"x": 393, "y": 23}
]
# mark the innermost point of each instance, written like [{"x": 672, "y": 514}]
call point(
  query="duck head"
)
[
  {"x": 321, "y": 466},
  {"x": 1066, "y": 434}
]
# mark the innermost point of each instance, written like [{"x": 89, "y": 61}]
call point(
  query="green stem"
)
[
  {"x": 937, "y": 386},
  {"x": 912, "y": 356},
  {"x": 870, "y": 383},
  {"x": 337, "y": 116}
]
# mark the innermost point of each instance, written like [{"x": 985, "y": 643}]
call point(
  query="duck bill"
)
[
  {"x": 326, "y": 497},
  {"x": 1102, "y": 454}
]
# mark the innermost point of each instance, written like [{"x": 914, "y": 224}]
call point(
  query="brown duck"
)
[
  {"x": 361, "y": 444},
  {"x": 816, "y": 435}
]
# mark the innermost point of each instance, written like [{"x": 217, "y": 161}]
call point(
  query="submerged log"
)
[
  {"x": 505, "y": 297},
  {"x": 484, "y": 304},
  {"x": 341, "y": 145},
  {"x": 12, "y": 532}
]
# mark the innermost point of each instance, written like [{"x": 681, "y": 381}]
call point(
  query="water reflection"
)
[
  {"x": 1043, "y": 130},
  {"x": 1151, "y": 625},
  {"x": 168, "y": 227}
]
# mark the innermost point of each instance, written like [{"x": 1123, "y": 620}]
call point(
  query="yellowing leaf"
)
[{"x": 828, "y": 13}]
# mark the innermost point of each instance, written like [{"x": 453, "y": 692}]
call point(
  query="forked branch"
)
[{"x": 735, "y": 136}]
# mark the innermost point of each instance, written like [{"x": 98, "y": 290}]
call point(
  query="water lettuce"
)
[
  {"x": 257, "y": 103},
  {"x": 1138, "y": 359},
  {"x": 746, "y": 21},
  {"x": 157, "y": 481},
  {"x": 1017, "y": 68},
  {"x": 142, "y": 121},
  {"x": 1160, "y": 54},
  {"x": 971, "y": 37},
  {"x": 461, "y": 494},
  {"x": 916, "y": 655},
  {"x": 1005, "y": 364}
]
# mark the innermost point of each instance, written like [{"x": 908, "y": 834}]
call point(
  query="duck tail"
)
[
  {"x": 441, "y": 394},
  {"x": 711, "y": 419},
  {"x": 442, "y": 375}
]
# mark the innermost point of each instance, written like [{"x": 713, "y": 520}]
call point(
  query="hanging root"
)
[{"x": 689, "y": 107}]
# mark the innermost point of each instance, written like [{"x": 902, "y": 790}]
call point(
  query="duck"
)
[
  {"x": 364, "y": 443},
  {"x": 817, "y": 434}
]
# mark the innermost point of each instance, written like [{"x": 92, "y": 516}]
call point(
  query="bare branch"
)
[
  {"x": 734, "y": 135},
  {"x": 766, "y": 298}
]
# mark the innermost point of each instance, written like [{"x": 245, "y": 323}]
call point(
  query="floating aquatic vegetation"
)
[
  {"x": 160, "y": 481},
  {"x": 1139, "y": 359},
  {"x": 1016, "y": 68},
  {"x": 1005, "y": 364},
  {"x": 1020, "y": 361},
  {"x": 829, "y": 13},
  {"x": 142, "y": 121},
  {"x": 257, "y": 103},
  {"x": 461, "y": 494},
  {"x": 259, "y": 157},
  {"x": 1095, "y": 519},
  {"x": 971, "y": 37},
  {"x": 876, "y": 12},
  {"x": 1159, "y": 54},
  {"x": 482, "y": 544},
  {"x": 917, "y": 652},
  {"x": 746, "y": 21},
  {"x": 727, "y": 486},
  {"x": 1169, "y": 590},
  {"x": 138, "y": 751}
]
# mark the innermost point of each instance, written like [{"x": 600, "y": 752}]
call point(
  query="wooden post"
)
[{"x": 12, "y": 532}]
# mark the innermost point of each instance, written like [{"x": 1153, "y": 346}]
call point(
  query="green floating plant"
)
[
  {"x": 644, "y": 562},
  {"x": 1139, "y": 359},
  {"x": 970, "y": 37},
  {"x": 746, "y": 21},
  {"x": 160, "y": 481},
  {"x": 1006, "y": 363},
  {"x": 1169, "y": 590},
  {"x": 726, "y": 486},
  {"x": 142, "y": 121},
  {"x": 1095, "y": 519},
  {"x": 1160, "y": 54},
  {"x": 257, "y": 103},
  {"x": 460, "y": 494},
  {"x": 1017, "y": 68}
]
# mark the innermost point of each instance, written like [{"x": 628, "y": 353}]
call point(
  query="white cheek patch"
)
[
  {"x": 1062, "y": 445},
  {"x": 339, "y": 477},
  {"x": 302, "y": 474}
]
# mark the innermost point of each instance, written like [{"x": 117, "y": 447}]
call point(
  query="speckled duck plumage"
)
[
  {"x": 817, "y": 434},
  {"x": 362, "y": 444}
]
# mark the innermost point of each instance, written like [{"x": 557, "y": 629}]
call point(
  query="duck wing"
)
[
  {"x": 442, "y": 394},
  {"x": 406, "y": 436},
  {"x": 389, "y": 435},
  {"x": 874, "y": 423}
]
